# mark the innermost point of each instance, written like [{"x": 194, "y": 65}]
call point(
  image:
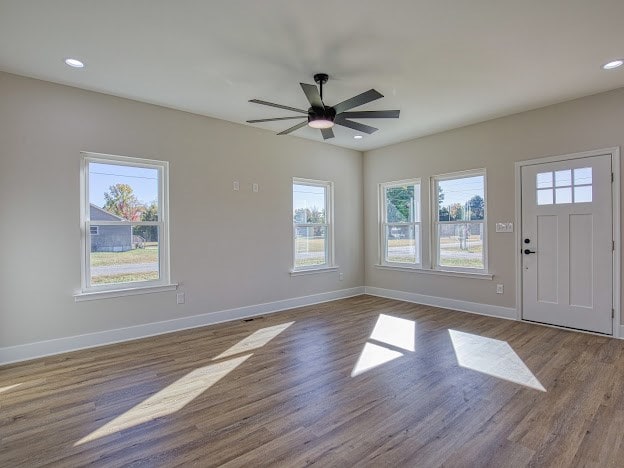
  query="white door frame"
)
[{"x": 615, "y": 196}]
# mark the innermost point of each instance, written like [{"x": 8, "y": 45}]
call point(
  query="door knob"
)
[{"x": 527, "y": 251}]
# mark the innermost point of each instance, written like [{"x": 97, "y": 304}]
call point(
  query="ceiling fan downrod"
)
[{"x": 321, "y": 79}]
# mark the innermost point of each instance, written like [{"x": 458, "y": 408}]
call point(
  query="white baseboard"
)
[
  {"x": 38, "y": 349},
  {"x": 454, "y": 304}
]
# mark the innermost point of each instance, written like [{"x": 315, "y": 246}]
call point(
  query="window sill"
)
[
  {"x": 105, "y": 294},
  {"x": 426, "y": 271},
  {"x": 312, "y": 271}
]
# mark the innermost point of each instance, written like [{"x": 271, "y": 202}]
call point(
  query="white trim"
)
[
  {"x": 614, "y": 152},
  {"x": 427, "y": 271},
  {"x": 93, "y": 295},
  {"x": 617, "y": 251},
  {"x": 311, "y": 271},
  {"x": 11, "y": 354},
  {"x": 444, "y": 303}
]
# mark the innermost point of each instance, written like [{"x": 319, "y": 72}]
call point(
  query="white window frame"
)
[
  {"x": 91, "y": 291},
  {"x": 384, "y": 223},
  {"x": 329, "y": 225},
  {"x": 435, "y": 240}
]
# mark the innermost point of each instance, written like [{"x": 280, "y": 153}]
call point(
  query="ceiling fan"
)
[{"x": 324, "y": 117}]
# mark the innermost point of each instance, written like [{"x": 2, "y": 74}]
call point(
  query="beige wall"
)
[
  {"x": 593, "y": 122},
  {"x": 228, "y": 249}
]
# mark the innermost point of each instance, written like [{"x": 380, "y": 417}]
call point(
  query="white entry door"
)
[{"x": 567, "y": 243}]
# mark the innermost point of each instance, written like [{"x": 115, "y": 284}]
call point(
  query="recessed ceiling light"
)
[
  {"x": 358, "y": 137},
  {"x": 75, "y": 63},
  {"x": 612, "y": 65}
]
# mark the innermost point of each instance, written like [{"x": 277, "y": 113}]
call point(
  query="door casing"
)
[{"x": 615, "y": 194}]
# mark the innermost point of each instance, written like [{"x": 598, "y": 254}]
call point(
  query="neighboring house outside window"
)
[
  {"x": 400, "y": 223},
  {"x": 459, "y": 210},
  {"x": 124, "y": 223},
  {"x": 312, "y": 224}
]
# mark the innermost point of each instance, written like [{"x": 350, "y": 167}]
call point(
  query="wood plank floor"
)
[{"x": 362, "y": 381}]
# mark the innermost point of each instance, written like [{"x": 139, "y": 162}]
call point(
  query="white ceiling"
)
[{"x": 443, "y": 63}]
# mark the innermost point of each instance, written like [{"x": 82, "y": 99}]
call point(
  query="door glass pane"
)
[
  {"x": 583, "y": 176},
  {"x": 310, "y": 246},
  {"x": 118, "y": 192},
  {"x": 544, "y": 180},
  {"x": 403, "y": 204},
  {"x": 583, "y": 194},
  {"x": 123, "y": 254},
  {"x": 563, "y": 195},
  {"x": 563, "y": 178},
  {"x": 461, "y": 245},
  {"x": 545, "y": 197},
  {"x": 401, "y": 244}
]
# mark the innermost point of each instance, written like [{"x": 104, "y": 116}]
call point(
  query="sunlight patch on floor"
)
[
  {"x": 389, "y": 333},
  {"x": 492, "y": 357},
  {"x": 256, "y": 340},
  {"x": 373, "y": 356},
  {"x": 395, "y": 331},
  {"x": 9, "y": 387},
  {"x": 170, "y": 399}
]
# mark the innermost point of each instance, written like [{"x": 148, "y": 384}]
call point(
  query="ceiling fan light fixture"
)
[{"x": 320, "y": 121}]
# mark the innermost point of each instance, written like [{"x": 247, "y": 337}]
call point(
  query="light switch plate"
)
[{"x": 504, "y": 227}]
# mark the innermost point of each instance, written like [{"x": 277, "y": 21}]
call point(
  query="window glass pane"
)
[
  {"x": 583, "y": 176},
  {"x": 123, "y": 254},
  {"x": 403, "y": 204},
  {"x": 545, "y": 197},
  {"x": 544, "y": 180},
  {"x": 461, "y": 245},
  {"x": 563, "y": 177},
  {"x": 118, "y": 192},
  {"x": 461, "y": 199},
  {"x": 583, "y": 194},
  {"x": 310, "y": 246},
  {"x": 563, "y": 195},
  {"x": 402, "y": 244},
  {"x": 308, "y": 204}
]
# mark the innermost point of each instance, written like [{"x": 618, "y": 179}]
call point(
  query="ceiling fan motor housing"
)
[{"x": 317, "y": 113}]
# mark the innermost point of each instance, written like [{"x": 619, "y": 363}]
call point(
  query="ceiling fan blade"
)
[
  {"x": 293, "y": 128},
  {"x": 383, "y": 114},
  {"x": 355, "y": 125},
  {"x": 327, "y": 133},
  {"x": 313, "y": 95},
  {"x": 358, "y": 100},
  {"x": 277, "y": 118},
  {"x": 279, "y": 106}
]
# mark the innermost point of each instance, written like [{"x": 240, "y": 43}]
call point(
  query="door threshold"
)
[{"x": 561, "y": 327}]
